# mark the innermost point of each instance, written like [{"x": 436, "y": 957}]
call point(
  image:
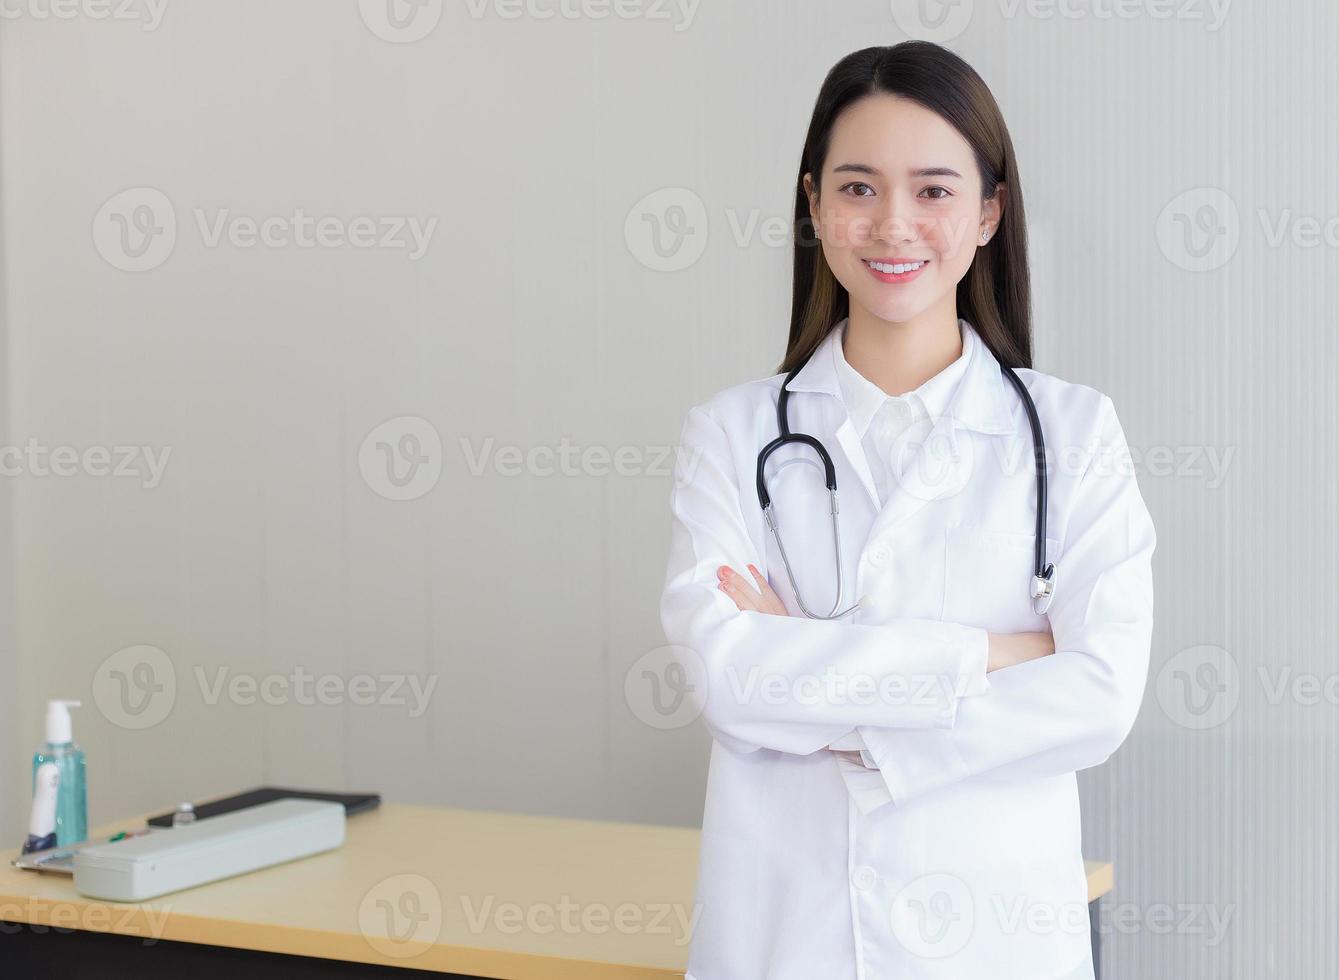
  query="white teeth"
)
[{"x": 895, "y": 269}]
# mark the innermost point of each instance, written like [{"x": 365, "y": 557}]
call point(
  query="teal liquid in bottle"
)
[{"x": 68, "y": 758}]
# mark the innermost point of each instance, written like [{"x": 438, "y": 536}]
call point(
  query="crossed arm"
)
[{"x": 1054, "y": 710}]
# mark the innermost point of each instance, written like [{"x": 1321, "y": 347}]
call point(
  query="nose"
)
[{"x": 894, "y": 222}]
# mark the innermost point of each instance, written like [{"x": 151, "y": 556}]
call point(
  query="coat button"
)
[
  {"x": 864, "y": 878},
  {"x": 879, "y": 556}
]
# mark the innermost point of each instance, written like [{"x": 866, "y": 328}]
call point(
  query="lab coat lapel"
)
[
  {"x": 855, "y": 456},
  {"x": 932, "y": 469}
]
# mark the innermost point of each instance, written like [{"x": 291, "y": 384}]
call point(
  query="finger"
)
[
  {"x": 770, "y": 599},
  {"x": 733, "y": 584},
  {"x": 740, "y": 596}
]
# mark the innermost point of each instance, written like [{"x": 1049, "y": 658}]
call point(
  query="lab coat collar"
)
[
  {"x": 864, "y": 399},
  {"x": 979, "y": 402}
]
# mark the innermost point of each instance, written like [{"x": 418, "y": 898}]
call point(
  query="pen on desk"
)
[{"x": 42, "y": 823}]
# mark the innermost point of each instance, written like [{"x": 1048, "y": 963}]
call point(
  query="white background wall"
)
[{"x": 264, "y": 550}]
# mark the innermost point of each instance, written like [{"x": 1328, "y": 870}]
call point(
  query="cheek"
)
[
  {"x": 844, "y": 227},
  {"x": 953, "y": 238}
]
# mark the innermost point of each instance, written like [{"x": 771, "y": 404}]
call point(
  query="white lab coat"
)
[{"x": 974, "y": 871}]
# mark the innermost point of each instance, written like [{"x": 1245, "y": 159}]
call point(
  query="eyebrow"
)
[{"x": 864, "y": 168}]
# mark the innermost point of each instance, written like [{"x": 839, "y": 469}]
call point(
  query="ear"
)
[
  {"x": 992, "y": 212},
  {"x": 811, "y": 192}
]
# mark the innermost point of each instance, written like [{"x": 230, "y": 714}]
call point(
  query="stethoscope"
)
[{"x": 1043, "y": 574}]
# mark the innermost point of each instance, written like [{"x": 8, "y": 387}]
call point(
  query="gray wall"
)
[{"x": 540, "y": 316}]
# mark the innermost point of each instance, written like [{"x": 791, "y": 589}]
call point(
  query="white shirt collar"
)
[{"x": 864, "y": 399}]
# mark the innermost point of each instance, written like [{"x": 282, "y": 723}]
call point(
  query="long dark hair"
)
[{"x": 994, "y": 296}]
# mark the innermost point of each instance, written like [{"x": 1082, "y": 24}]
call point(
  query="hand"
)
[
  {"x": 1008, "y": 649},
  {"x": 761, "y": 599}
]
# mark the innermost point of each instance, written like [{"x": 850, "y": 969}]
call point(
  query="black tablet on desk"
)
[{"x": 353, "y": 802}]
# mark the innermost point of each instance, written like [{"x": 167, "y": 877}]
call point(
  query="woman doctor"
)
[{"x": 892, "y": 791}]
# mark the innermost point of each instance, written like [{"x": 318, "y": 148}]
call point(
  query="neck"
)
[{"x": 900, "y": 357}]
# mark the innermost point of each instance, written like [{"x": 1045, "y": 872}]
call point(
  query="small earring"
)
[{"x": 985, "y": 236}]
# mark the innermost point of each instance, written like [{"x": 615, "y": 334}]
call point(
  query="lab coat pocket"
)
[{"x": 988, "y": 579}]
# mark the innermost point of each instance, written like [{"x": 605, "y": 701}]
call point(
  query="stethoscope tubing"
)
[{"x": 1043, "y": 574}]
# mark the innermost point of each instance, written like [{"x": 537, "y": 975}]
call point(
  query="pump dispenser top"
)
[{"x": 59, "y": 731}]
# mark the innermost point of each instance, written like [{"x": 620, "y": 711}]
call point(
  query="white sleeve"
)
[
  {"x": 1070, "y": 710},
  {"x": 780, "y": 682}
]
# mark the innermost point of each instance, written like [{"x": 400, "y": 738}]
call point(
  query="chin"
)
[{"x": 892, "y": 310}]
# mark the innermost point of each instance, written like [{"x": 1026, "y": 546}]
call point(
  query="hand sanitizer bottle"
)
[{"x": 68, "y": 758}]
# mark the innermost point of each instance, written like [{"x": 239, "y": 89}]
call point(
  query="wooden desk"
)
[{"x": 461, "y": 892}]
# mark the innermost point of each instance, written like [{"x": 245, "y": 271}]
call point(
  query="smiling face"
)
[{"x": 900, "y": 212}]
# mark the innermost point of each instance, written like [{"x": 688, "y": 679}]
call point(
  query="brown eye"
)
[
  {"x": 854, "y": 185},
  {"x": 938, "y": 197}
]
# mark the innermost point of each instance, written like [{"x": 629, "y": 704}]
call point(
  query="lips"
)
[{"x": 896, "y": 269}]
